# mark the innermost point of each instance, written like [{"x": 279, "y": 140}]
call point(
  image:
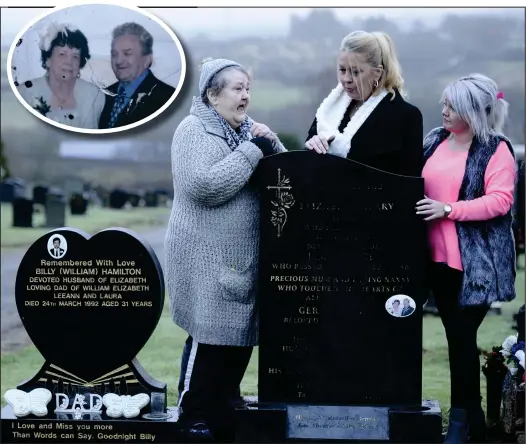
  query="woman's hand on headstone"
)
[
  {"x": 319, "y": 144},
  {"x": 433, "y": 209}
]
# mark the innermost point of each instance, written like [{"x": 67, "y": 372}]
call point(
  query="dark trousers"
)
[
  {"x": 461, "y": 325},
  {"x": 210, "y": 384},
  {"x": 184, "y": 365}
]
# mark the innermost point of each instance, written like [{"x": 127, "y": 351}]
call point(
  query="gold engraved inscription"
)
[
  {"x": 306, "y": 310},
  {"x": 301, "y": 320}
]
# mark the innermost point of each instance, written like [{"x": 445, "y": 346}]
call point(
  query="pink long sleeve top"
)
[{"x": 443, "y": 175}]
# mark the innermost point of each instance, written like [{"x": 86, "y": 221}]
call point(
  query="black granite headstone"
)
[
  {"x": 89, "y": 304},
  {"x": 101, "y": 299},
  {"x": 341, "y": 291},
  {"x": 339, "y": 240}
]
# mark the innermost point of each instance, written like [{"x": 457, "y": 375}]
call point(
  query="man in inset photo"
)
[
  {"x": 56, "y": 251},
  {"x": 407, "y": 309},
  {"x": 138, "y": 93}
]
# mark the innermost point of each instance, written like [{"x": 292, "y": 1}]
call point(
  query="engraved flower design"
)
[{"x": 287, "y": 200}]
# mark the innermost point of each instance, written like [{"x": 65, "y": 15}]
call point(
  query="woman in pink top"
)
[{"x": 469, "y": 183}]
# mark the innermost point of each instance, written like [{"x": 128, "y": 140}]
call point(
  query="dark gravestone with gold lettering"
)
[
  {"x": 342, "y": 286},
  {"x": 89, "y": 304}
]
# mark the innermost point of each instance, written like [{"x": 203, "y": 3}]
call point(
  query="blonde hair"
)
[
  {"x": 378, "y": 49},
  {"x": 475, "y": 98}
]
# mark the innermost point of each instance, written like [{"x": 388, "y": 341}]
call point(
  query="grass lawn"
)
[
  {"x": 96, "y": 219},
  {"x": 161, "y": 355}
]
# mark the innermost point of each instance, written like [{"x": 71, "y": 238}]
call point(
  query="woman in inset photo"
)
[{"x": 60, "y": 94}]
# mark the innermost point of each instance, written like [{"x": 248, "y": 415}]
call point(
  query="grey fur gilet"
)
[{"x": 487, "y": 248}]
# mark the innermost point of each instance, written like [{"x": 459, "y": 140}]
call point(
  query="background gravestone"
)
[
  {"x": 78, "y": 203},
  {"x": 134, "y": 199},
  {"x": 55, "y": 208},
  {"x": 340, "y": 242},
  {"x": 10, "y": 189},
  {"x": 39, "y": 194},
  {"x": 151, "y": 199},
  {"x": 22, "y": 212},
  {"x": 118, "y": 198}
]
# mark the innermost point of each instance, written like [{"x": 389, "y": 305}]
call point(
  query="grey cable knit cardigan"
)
[
  {"x": 487, "y": 248},
  {"x": 212, "y": 241}
]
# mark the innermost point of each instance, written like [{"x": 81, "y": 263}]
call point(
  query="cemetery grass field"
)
[
  {"x": 161, "y": 355},
  {"x": 95, "y": 219}
]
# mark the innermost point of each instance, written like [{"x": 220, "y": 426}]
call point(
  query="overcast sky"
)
[{"x": 217, "y": 22}]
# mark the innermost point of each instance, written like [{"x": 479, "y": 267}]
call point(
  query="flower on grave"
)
[
  {"x": 508, "y": 343},
  {"x": 494, "y": 362},
  {"x": 51, "y": 32}
]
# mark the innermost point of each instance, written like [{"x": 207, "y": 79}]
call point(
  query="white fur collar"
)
[{"x": 331, "y": 112}]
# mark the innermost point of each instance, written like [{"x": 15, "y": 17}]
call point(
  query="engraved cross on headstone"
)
[{"x": 279, "y": 188}]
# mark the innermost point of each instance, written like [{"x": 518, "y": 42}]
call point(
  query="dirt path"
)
[{"x": 14, "y": 335}]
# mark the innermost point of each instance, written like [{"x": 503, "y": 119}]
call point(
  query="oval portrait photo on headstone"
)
[
  {"x": 400, "y": 306},
  {"x": 96, "y": 68},
  {"x": 57, "y": 246}
]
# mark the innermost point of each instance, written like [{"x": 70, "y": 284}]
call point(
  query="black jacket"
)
[
  {"x": 157, "y": 93},
  {"x": 390, "y": 139}
]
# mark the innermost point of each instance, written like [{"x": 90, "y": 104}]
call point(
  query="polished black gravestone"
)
[
  {"x": 89, "y": 304},
  {"x": 39, "y": 194},
  {"x": 340, "y": 244},
  {"x": 78, "y": 204},
  {"x": 118, "y": 198},
  {"x": 22, "y": 212}
]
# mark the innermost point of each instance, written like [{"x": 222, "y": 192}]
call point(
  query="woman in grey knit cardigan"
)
[{"x": 212, "y": 245}]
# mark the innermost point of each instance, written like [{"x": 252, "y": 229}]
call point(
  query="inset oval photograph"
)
[
  {"x": 57, "y": 246},
  {"x": 400, "y": 306},
  {"x": 96, "y": 68}
]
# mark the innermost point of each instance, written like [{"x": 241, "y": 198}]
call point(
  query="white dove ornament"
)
[
  {"x": 35, "y": 402},
  {"x": 124, "y": 405}
]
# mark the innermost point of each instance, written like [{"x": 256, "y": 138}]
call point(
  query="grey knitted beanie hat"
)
[{"x": 210, "y": 67}]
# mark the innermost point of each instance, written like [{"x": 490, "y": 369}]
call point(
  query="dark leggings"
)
[{"x": 461, "y": 325}]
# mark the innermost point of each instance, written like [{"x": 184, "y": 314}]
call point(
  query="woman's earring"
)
[
  {"x": 78, "y": 75},
  {"x": 375, "y": 83}
]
